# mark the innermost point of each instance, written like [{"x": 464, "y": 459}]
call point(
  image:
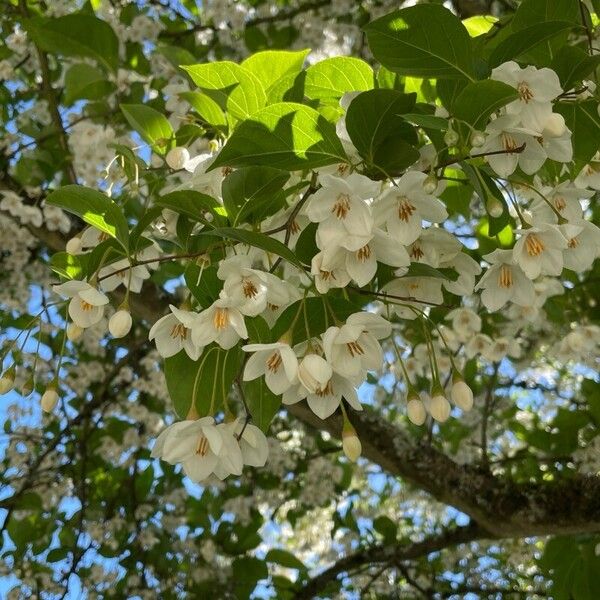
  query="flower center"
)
[
  {"x": 506, "y": 279},
  {"x": 573, "y": 243},
  {"x": 202, "y": 448},
  {"x": 179, "y": 331},
  {"x": 354, "y": 349},
  {"x": 326, "y": 275},
  {"x": 525, "y": 92},
  {"x": 416, "y": 252},
  {"x": 364, "y": 253},
  {"x": 342, "y": 169},
  {"x": 274, "y": 362},
  {"x": 221, "y": 318},
  {"x": 342, "y": 206},
  {"x": 250, "y": 290},
  {"x": 534, "y": 245},
  {"x": 509, "y": 144},
  {"x": 226, "y": 171},
  {"x": 294, "y": 227},
  {"x": 272, "y": 306},
  {"x": 327, "y": 390},
  {"x": 405, "y": 210},
  {"x": 85, "y": 306},
  {"x": 560, "y": 203}
]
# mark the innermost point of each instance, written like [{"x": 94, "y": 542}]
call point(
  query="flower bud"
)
[
  {"x": 415, "y": 409},
  {"x": 49, "y": 399},
  {"x": 7, "y": 381},
  {"x": 439, "y": 408},
  {"x": 119, "y": 324},
  {"x": 28, "y": 386},
  {"x": 494, "y": 207},
  {"x": 74, "y": 245},
  {"x": 461, "y": 394},
  {"x": 177, "y": 158},
  {"x": 74, "y": 331},
  {"x": 477, "y": 139},
  {"x": 451, "y": 138},
  {"x": 350, "y": 442},
  {"x": 430, "y": 184}
]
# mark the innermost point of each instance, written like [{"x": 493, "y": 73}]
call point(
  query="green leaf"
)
[
  {"x": 426, "y": 121},
  {"x": 333, "y": 77},
  {"x": 247, "y": 571},
  {"x": 479, "y": 99},
  {"x": 66, "y": 265},
  {"x": 583, "y": 120},
  {"x": 386, "y": 527},
  {"x": 479, "y": 24},
  {"x": 205, "y": 382},
  {"x": 85, "y": 82},
  {"x": 238, "y": 88},
  {"x": 521, "y": 42},
  {"x": 426, "y": 40},
  {"x": 176, "y": 55},
  {"x": 271, "y": 65},
  {"x": 262, "y": 402},
  {"x": 152, "y": 125},
  {"x": 572, "y": 64},
  {"x": 542, "y": 11},
  {"x": 203, "y": 283},
  {"x": 206, "y": 107},
  {"x": 381, "y": 136},
  {"x": 94, "y": 208},
  {"x": 253, "y": 193},
  {"x": 417, "y": 269},
  {"x": 78, "y": 35},
  {"x": 192, "y": 204},
  {"x": 258, "y": 240},
  {"x": 285, "y": 135},
  {"x": 285, "y": 559}
]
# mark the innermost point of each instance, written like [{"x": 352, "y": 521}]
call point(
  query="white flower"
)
[
  {"x": 480, "y": 343},
  {"x": 425, "y": 290},
  {"x": 177, "y": 158},
  {"x": 405, "y": 206},
  {"x": 172, "y": 333},
  {"x": 462, "y": 395},
  {"x": 87, "y": 303},
  {"x": 221, "y": 322},
  {"x": 119, "y": 324},
  {"x": 253, "y": 444},
  {"x": 536, "y": 87},
  {"x": 539, "y": 251},
  {"x": 589, "y": 176},
  {"x": 197, "y": 445},
  {"x": 465, "y": 322},
  {"x": 246, "y": 287},
  {"x": 230, "y": 460},
  {"x": 340, "y": 209},
  {"x": 329, "y": 269},
  {"x": 504, "y": 281},
  {"x": 124, "y": 274},
  {"x": 564, "y": 198},
  {"x": 583, "y": 245},
  {"x": 277, "y": 362},
  {"x": 353, "y": 349}
]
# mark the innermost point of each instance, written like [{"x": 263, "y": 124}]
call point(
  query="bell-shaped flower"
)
[
  {"x": 196, "y": 444},
  {"x": 411, "y": 295},
  {"x": 243, "y": 285},
  {"x": 565, "y": 198},
  {"x": 122, "y": 273},
  {"x": 404, "y": 207},
  {"x": 329, "y": 269},
  {"x": 583, "y": 245},
  {"x": 504, "y": 281},
  {"x": 221, "y": 322},
  {"x": 253, "y": 444},
  {"x": 353, "y": 349},
  {"x": 172, "y": 333},
  {"x": 467, "y": 269},
  {"x": 435, "y": 247},
  {"x": 277, "y": 362},
  {"x": 539, "y": 251},
  {"x": 340, "y": 208},
  {"x": 536, "y": 88},
  {"x": 589, "y": 176},
  {"x": 86, "y": 307}
]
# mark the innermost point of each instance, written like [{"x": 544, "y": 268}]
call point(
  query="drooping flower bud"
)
[
  {"x": 177, "y": 158},
  {"x": 350, "y": 442},
  {"x": 74, "y": 332},
  {"x": 477, "y": 139},
  {"x": 28, "y": 386},
  {"x": 494, "y": 207},
  {"x": 430, "y": 184},
  {"x": 7, "y": 381},
  {"x": 119, "y": 324},
  {"x": 50, "y": 397},
  {"x": 415, "y": 409},
  {"x": 461, "y": 393},
  {"x": 451, "y": 138},
  {"x": 554, "y": 126},
  {"x": 439, "y": 407}
]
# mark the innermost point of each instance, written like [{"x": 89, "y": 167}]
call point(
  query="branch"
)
[{"x": 383, "y": 553}]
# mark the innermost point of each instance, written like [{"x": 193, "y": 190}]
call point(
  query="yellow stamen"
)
[
  {"x": 534, "y": 245},
  {"x": 274, "y": 362},
  {"x": 525, "y": 92},
  {"x": 342, "y": 206},
  {"x": 221, "y": 318},
  {"x": 250, "y": 290},
  {"x": 179, "y": 331},
  {"x": 405, "y": 209},
  {"x": 364, "y": 253},
  {"x": 354, "y": 349},
  {"x": 202, "y": 448},
  {"x": 506, "y": 279}
]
